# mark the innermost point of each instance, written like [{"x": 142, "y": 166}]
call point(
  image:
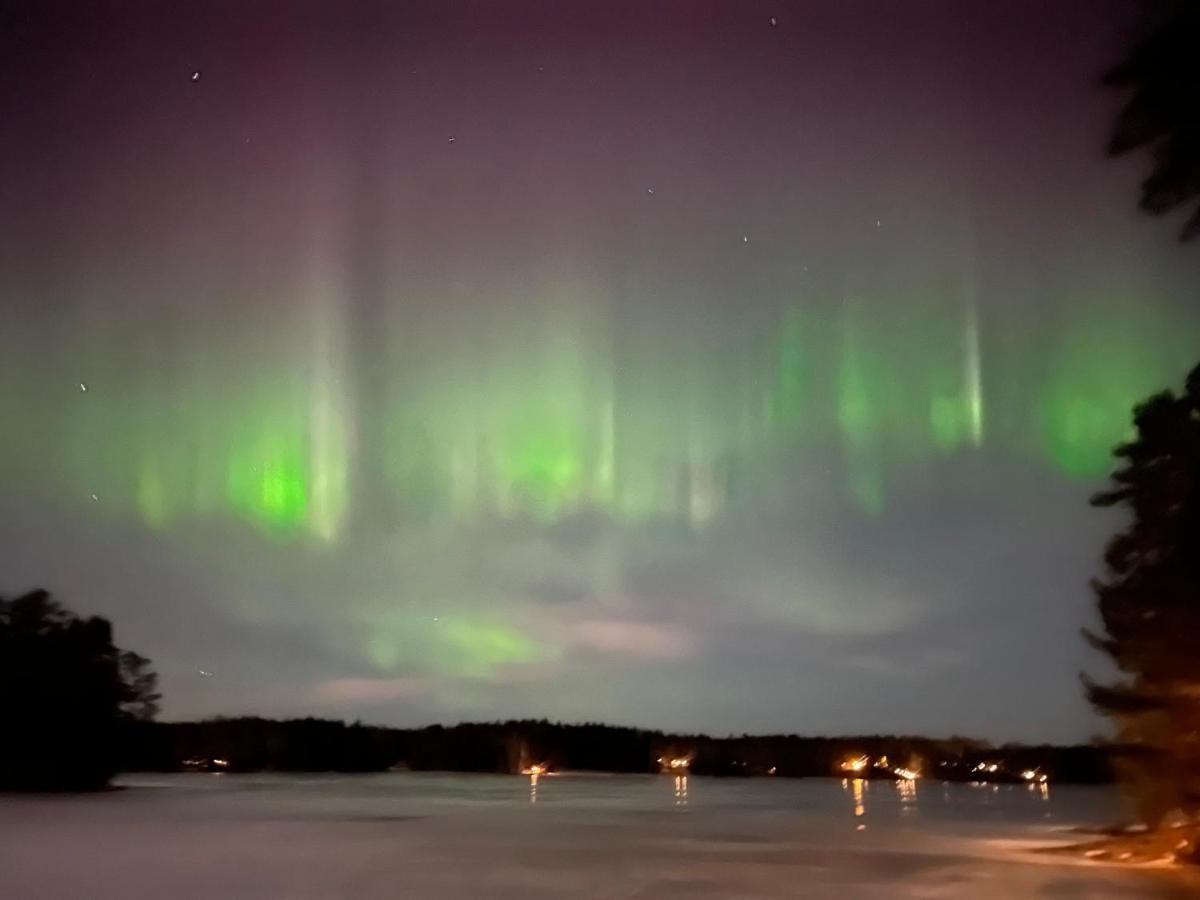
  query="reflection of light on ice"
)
[
  {"x": 857, "y": 784},
  {"x": 142, "y": 830},
  {"x": 681, "y": 790},
  {"x": 533, "y": 782}
]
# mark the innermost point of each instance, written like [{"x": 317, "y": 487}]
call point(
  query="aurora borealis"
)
[{"x": 701, "y": 366}]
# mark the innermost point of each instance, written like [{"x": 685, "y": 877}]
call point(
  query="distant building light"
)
[{"x": 855, "y": 764}]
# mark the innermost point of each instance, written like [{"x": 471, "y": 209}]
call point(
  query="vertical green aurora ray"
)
[
  {"x": 973, "y": 373},
  {"x": 328, "y": 405},
  {"x": 860, "y": 389},
  {"x": 787, "y": 405},
  {"x": 547, "y": 427},
  {"x": 951, "y": 373}
]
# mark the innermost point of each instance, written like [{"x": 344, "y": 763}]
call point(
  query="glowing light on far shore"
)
[{"x": 857, "y": 764}]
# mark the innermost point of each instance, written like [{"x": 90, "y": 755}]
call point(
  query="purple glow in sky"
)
[{"x": 724, "y": 366}]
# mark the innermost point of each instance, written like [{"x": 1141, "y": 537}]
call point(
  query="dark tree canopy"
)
[
  {"x": 1161, "y": 75},
  {"x": 309, "y": 745},
  {"x": 65, "y": 692},
  {"x": 1149, "y": 602},
  {"x": 139, "y": 687}
]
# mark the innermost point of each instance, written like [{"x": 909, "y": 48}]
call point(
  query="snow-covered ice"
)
[{"x": 189, "y": 837}]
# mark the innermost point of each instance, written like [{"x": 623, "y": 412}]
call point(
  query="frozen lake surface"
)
[{"x": 475, "y": 836}]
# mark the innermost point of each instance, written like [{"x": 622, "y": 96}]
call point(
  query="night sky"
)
[{"x": 720, "y": 366}]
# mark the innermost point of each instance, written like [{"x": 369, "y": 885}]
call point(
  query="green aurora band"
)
[
  {"x": 560, "y": 425},
  {"x": 561, "y": 414}
]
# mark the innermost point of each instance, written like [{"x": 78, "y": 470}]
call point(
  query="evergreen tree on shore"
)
[
  {"x": 1149, "y": 602},
  {"x": 65, "y": 693},
  {"x": 1150, "y": 598}
]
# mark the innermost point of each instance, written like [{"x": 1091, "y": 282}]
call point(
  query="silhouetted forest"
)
[
  {"x": 253, "y": 744},
  {"x": 66, "y": 691},
  {"x": 78, "y": 709}
]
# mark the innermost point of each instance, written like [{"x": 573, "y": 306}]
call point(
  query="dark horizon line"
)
[{"x": 1095, "y": 741}]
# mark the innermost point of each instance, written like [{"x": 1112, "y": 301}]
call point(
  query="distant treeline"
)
[{"x": 309, "y": 745}]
